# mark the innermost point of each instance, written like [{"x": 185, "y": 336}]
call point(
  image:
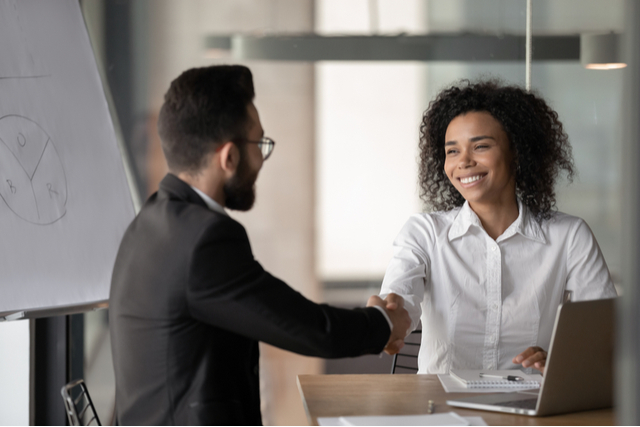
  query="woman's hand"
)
[{"x": 534, "y": 357}]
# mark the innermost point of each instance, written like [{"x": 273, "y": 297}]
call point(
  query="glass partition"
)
[{"x": 343, "y": 179}]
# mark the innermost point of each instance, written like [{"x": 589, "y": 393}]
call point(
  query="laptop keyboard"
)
[{"x": 523, "y": 404}]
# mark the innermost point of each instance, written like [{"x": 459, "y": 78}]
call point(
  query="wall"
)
[
  {"x": 281, "y": 225},
  {"x": 14, "y": 372}
]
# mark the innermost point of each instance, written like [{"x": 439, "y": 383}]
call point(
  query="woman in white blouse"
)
[{"x": 486, "y": 271}]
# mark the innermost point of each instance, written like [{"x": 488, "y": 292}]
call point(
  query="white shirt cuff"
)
[{"x": 386, "y": 316}]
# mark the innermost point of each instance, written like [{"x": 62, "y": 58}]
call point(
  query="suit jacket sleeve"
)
[{"x": 229, "y": 289}]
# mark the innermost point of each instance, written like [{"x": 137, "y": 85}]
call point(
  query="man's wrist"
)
[{"x": 386, "y": 316}]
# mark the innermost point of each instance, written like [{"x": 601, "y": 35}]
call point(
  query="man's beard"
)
[{"x": 239, "y": 191}]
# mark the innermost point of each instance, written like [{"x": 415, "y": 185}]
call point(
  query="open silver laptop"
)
[{"x": 579, "y": 370}]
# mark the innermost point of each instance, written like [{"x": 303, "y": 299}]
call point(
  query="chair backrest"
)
[
  {"x": 406, "y": 361},
  {"x": 77, "y": 401}
]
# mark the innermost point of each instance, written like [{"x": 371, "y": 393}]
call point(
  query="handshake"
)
[{"x": 393, "y": 305}]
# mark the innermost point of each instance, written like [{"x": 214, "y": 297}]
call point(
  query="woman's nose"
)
[{"x": 465, "y": 160}]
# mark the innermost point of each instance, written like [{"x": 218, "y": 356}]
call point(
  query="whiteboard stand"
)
[
  {"x": 55, "y": 311},
  {"x": 13, "y": 316}
]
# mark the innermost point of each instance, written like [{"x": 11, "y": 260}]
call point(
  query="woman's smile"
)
[{"x": 469, "y": 181}]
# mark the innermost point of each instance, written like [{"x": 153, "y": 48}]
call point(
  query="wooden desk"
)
[{"x": 339, "y": 395}]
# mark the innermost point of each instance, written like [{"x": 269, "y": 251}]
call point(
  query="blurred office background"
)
[{"x": 343, "y": 178}]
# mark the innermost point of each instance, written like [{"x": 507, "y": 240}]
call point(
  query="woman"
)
[{"x": 487, "y": 270}]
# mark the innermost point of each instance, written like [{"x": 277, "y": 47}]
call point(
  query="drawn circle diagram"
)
[{"x": 32, "y": 179}]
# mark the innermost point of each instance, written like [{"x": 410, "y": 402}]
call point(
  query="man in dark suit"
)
[{"x": 189, "y": 303}]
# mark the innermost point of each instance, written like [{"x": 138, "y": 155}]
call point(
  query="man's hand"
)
[
  {"x": 393, "y": 301},
  {"x": 394, "y": 307},
  {"x": 532, "y": 357}
]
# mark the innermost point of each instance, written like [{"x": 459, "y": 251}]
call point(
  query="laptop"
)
[{"x": 579, "y": 370}]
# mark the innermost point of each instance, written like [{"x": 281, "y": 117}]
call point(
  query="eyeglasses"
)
[{"x": 265, "y": 145}]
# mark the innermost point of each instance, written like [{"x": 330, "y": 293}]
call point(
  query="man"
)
[{"x": 188, "y": 301}]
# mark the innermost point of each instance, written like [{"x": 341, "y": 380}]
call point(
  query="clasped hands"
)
[{"x": 393, "y": 305}]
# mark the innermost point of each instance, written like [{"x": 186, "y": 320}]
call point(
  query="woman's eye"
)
[{"x": 451, "y": 152}]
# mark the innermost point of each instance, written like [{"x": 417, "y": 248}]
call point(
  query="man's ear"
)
[{"x": 229, "y": 157}]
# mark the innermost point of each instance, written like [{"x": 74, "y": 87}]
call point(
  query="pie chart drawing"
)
[{"x": 33, "y": 184}]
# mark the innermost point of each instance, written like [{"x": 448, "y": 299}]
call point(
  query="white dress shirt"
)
[
  {"x": 483, "y": 301},
  {"x": 211, "y": 204}
]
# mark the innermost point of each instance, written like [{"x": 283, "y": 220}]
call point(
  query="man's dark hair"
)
[
  {"x": 202, "y": 108},
  {"x": 537, "y": 139}
]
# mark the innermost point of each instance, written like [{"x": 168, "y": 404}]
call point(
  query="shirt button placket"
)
[{"x": 494, "y": 304}]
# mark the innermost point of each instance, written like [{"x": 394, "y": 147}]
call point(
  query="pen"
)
[{"x": 508, "y": 377}]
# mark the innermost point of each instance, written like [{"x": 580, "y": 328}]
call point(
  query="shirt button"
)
[
  {"x": 494, "y": 247},
  {"x": 494, "y": 306},
  {"x": 492, "y": 338}
]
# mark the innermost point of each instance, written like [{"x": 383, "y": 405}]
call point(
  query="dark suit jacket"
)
[{"x": 189, "y": 304}]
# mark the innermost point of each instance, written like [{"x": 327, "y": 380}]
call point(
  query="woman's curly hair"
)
[{"x": 541, "y": 147}]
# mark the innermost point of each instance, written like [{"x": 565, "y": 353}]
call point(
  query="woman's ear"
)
[{"x": 229, "y": 157}]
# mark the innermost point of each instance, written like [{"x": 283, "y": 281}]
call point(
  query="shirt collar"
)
[
  {"x": 465, "y": 218},
  {"x": 211, "y": 204},
  {"x": 525, "y": 224}
]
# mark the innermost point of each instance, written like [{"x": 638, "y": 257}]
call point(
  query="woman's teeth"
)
[{"x": 470, "y": 179}]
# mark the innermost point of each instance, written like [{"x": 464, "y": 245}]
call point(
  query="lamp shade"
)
[{"x": 600, "y": 51}]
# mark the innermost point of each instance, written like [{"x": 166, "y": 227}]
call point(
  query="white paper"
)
[
  {"x": 64, "y": 199},
  {"x": 451, "y": 385},
  {"x": 475, "y": 421},
  {"x": 446, "y": 419}
]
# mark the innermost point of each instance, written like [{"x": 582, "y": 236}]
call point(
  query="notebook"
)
[
  {"x": 471, "y": 378},
  {"x": 579, "y": 369}
]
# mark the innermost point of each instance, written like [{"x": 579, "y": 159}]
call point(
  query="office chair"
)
[
  {"x": 77, "y": 406},
  {"x": 407, "y": 358}
]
